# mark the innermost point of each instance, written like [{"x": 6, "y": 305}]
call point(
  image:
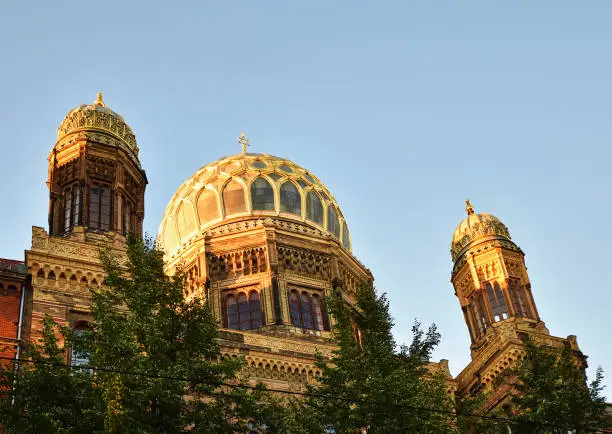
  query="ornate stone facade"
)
[
  {"x": 96, "y": 196},
  {"x": 494, "y": 292},
  {"x": 263, "y": 241},
  {"x": 261, "y": 227}
]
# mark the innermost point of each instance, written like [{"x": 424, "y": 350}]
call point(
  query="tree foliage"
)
[
  {"x": 372, "y": 383},
  {"x": 552, "y": 394},
  {"x": 154, "y": 358}
]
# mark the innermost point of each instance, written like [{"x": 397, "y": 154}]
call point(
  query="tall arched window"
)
[
  {"x": 255, "y": 310},
  {"x": 294, "y": 307},
  {"x": 99, "y": 207},
  {"x": 79, "y": 357},
  {"x": 232, "y": 312},
  {"x": 233, "y": 198},
  {"x": 262, "y": 195},
  {"x": 478, "y": 313},
  {"x": 499, "y": 308},
  {"x": 333, "y": 225},
  {"x": 290, "y": 199},
  {"x": 243, "y": 312},
  {"x": 314, "y": 208},
  {"x": 517, "y": 296},
  {"x": 306, "y": 312},
  {"x": 317, "y": 313},
  {"x": 72, "y": 207}
]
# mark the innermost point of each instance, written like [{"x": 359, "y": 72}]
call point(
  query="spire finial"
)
[
  {"x": 244, "y": 142},
  {"x": 99, "y": 101},
  {"x": 468, "y": 207}
]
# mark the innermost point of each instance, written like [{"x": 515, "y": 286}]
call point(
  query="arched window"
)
[
  {"x": 243, "y": 312},
  {"x": 332, "y": 222},
  {"x": 208, "y": 209},
  {"x": 314, "y": 208},
  {"x": 294, "y": 306},
  {"x": 517, "y": 296},
  {"x": 233, "y": 198},
  {"x": 290, "y": 199},
  {"x": 317, "y": 313},
  {"x": 478, "y": 313},
  {"x": 262, "y": 195},
  {"x": 72, "y": 207},
  {"x": 232, "y": 313},
  {"x": 51, "y": 275},
  {"x": 306, "y": 312},
  {"x": 499, "y": 308},
  {"x": 255, "y": 310},
  {"x": 346, "y": 239},
  {"x": 99, "y": 207},
  {"x": 79, "y": 357}
]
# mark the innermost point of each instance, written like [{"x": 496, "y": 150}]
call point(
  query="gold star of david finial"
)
[
  {"x": 468, "y": 207},
  {"x": 244, "y": 142},
  {"x": 99, "y": 101}
]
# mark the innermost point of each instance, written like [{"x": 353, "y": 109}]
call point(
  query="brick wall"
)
[{"x": 10, "y": 302}]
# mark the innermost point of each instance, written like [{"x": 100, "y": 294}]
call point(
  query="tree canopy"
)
[
  {"x": 153, "y": 363},
  {"x": 552, "y": 394},
  {"x": 371, "y": 382}
]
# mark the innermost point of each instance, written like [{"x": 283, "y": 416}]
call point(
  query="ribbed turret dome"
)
[
  {"x": 476, "y": 227},
  {"x": 247, "y": 187},
  {"x": 98, "y": 117}
]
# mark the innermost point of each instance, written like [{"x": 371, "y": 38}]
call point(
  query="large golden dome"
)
[
  {"x": 476, "y": 228},
  {"x": 248, "y": 187},
  {"x": 98, "y": 117}
]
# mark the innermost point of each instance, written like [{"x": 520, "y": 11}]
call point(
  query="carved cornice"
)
[
  {"x": 98, "y": 137},
  {"x": 78, "y": 245},
  {"x": 483, "y": 246}
]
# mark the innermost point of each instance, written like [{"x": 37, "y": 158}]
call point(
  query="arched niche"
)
[
  {"x": 186, "y": 220},
  {"x": 233, "y": 198},
  {"x": 208, "y": 208}
]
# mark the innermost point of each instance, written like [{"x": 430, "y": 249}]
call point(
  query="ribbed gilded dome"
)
[
  {"x": 245, "y": 187},
  {"x": 98, "y": 117},
  {"x": 474, "y": 228}
]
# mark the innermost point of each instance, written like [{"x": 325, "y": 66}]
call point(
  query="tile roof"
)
[{"x": 12, "y": 265}]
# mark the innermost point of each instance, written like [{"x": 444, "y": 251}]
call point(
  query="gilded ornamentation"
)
[
  {"x": 474, "y": 227},
  {"x": 244, "y": 142},
  {"x": 97, "y": 117}
]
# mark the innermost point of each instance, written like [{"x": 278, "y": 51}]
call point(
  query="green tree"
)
[
  {"x": 372, "y": 383},
  {"x": 49, "y": 397},
  {"x": 161, "y": 369},
  {"x": 552, "y": 395},
  {"x": 154, "y": 364}
]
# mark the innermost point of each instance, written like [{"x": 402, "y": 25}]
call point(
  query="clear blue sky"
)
[{"x": 404, "y": 110}]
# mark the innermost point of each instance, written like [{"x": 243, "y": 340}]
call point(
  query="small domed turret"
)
[
  {"x": 98, "y": 117},
  {"x": 475, "y": 227}
]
